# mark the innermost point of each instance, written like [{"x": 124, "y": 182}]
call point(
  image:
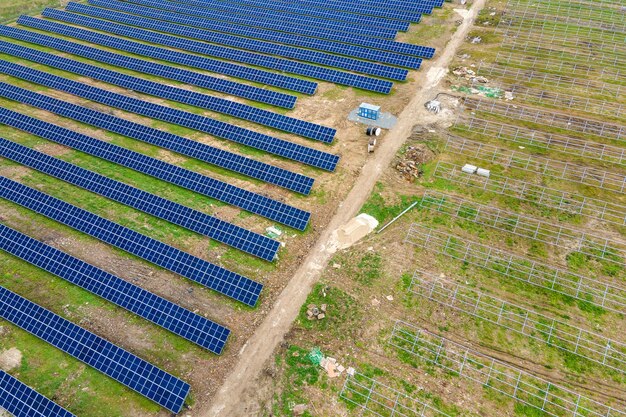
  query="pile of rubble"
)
[
  {"x": 411, "y": 165},
  {"x": 334, "y": 369},
  {"x": 469, "y": 74},
  {"x": 315, "y": 313}
]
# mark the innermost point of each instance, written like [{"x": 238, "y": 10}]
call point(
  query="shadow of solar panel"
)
[
  {"x": 296, "y": 9},
  {"x": 219, "y": 129},
  {"x": 339, "y": 77},
  {"x": 113, "y": 361},
  {"x": 208, "y": 64},
  {"x": 298, "y": 24},
  {"x": 231, "y": 108},
  {"x": 255, "y": 203},
  {"x": 184, "y": 146},
  {"x": 235, "y": 236},
  {"x": 319, "y": 51},
  {"x": 345, "y": 37},
  {"x": 211, "y": 276},
  {"x": 22, "y": 401},
  {"x": 151, "y": 307},
  {"x": 164, "y": 71}
]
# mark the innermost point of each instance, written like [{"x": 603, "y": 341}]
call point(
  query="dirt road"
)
[{"x": 264, "y": 341}]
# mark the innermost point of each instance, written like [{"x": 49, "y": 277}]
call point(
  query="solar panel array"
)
[
  {"x": 306, "y": 11},
  {"x": 409, "y": 6},
  {"x": 184, "y": 146},
  {"x": 219, "y": 129},
  {"x": 217, "y": 66},
  {"x": 211, "y": 276},
  {"x": 223, "y": 11},
  {"x": 345, "y": 42},
  {"x": 283, "y": 26},
  {"x": 145, "y": 304},
  {"x": 412, "y": 15},
  {"x": 231, "y": 108},
  {"x": 22, "y": 401},
  {"x": 386, "y": 57},
  {"x": 199, "y": 47},
  {"x": 346, "y": 37},
  {"x": 147, "y": 67},
  {"x": 238, "y": 197},
  {"x": 189, "y": 77},
  {"x": 194, "y": 220},
  {"x": 130, "y": 370}
]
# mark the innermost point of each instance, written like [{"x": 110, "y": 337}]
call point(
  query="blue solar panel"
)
[
  {"x": 188, "y": 77},
  {"x": 327, "y": 74},
  {"x": 295, "y": 9},
  {"x": 338, "y": 77},
  {"x": 211, "y": 276},
  {"x": 22, "y": 401},
  {"x": 194, "y": 220},
  {"x": 299, "y": 24},
  {"x": 255, "y": 203},
  {"x": 113, "y": 361},
  {"x": 201, "y": 22},
  {"x": 255, "y": 47},
  {"x": 231, "y": 108},
  {"x": 413, "y": 16},
  {"x": 217, "y": 66},
  {"x": 220, "y": 129},
  {"x": 184, "y": 146},
  {"x": 409, "y": 6},
  {"x": 151, "y": 307},
  {"x": 302, "y": 47},
  {"x": 311, "y": 6}
]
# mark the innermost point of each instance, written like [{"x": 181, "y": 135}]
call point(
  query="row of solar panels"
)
[
  {"x": 22, "y": 401},
  {"x": 184, "y": 323},
  {"x": 209, "y": 42},
  {"x": 113, "y": 361}
]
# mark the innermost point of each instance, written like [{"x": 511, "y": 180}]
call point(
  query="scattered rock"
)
[
  {"x": 314, "y": 312},
  {"x": 375, "y": 302},
  {"x": 508, "y": 95},
  {"x": 476, "y": 40},
  {"x": 389, "y": 297},
  {"x": 336, "y": 266}
]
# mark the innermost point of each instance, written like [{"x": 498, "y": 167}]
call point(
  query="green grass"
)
[
  {"x": 299, "y": 373},
  {"x": 381, "y": 210}
]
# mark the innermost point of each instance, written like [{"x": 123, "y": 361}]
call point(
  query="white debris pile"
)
[{"x": 333, "y": 368}]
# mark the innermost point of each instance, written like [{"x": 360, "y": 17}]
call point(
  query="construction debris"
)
[
  {"x": 332, "y": 368},
  {"x": 411, "y": 165},
  {"x": 273, "y": 232},
  {"x": 433, "y": 106},
  {"x": 315, "y": 313}
]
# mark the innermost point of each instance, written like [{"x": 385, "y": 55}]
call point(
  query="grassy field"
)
[{"x": 369, "y": 285}]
